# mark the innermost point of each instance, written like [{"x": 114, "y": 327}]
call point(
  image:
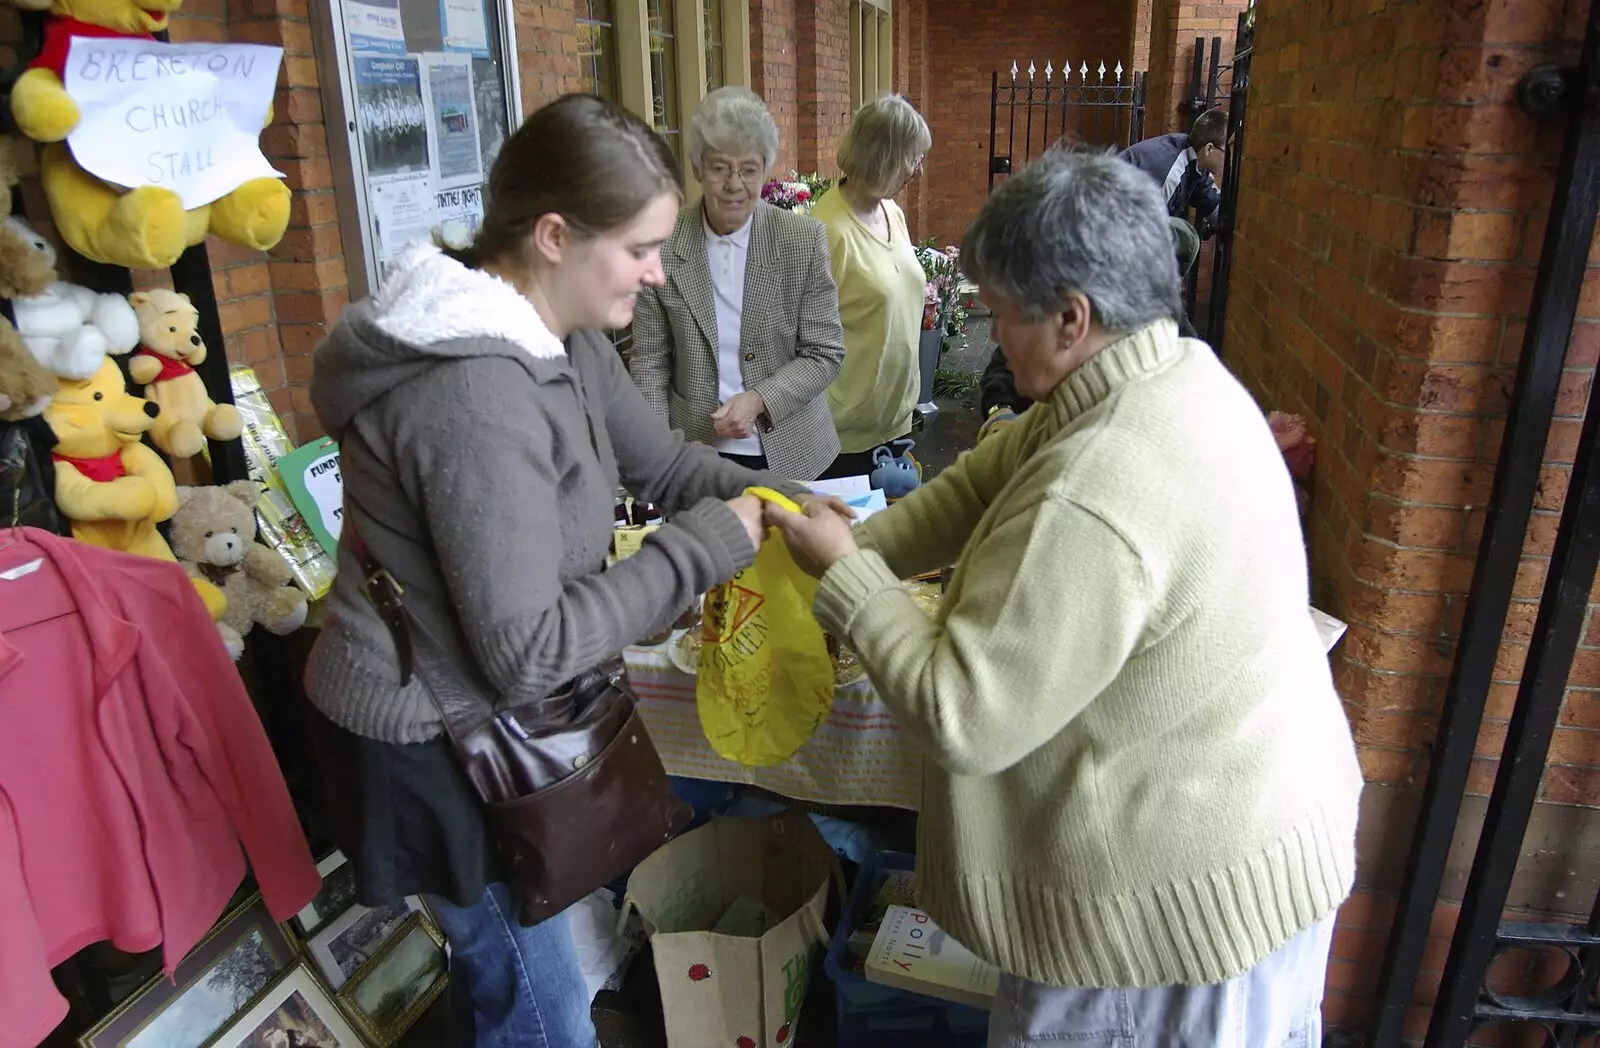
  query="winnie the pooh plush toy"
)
[
  {"x": 164, "y": 364},
  {"x": 111, "y": 487},
  {"x": 213, "y": 535},
  {"x": 145, "y": 227}
]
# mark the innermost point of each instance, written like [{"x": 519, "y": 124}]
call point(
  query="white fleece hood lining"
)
[{"x": 428, "y": 297}]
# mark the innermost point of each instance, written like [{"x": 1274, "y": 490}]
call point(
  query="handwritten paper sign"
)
[
  {"x": 185, "y": 117},
  {"x": 311, "y": 475}
]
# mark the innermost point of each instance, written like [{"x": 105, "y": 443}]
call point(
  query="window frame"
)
[{"x": 871, "y": 50}]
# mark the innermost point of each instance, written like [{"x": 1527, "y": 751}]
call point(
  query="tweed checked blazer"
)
[{"x": 791, "y": 342}]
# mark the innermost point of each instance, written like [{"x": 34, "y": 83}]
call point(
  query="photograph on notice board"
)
[
  {"x": 394, "y": 126},
  {"x": 489, "y": 92},
  {"x": 453, "y": 120}
]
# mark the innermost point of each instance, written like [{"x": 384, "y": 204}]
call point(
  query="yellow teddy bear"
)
[
  {"x": 111, "y": 487},
  {"x": 165, "y": 363},
  {"x": 145, "y": 227}
]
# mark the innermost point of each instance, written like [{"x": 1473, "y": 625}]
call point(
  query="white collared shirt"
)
[{"x": 727, "y": 257}]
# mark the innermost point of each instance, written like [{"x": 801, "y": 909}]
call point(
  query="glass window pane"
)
[
  {"x": 663, "y": 70},
  {"x": 716, "y": 67},
  {"x": 597, "y": 48}
]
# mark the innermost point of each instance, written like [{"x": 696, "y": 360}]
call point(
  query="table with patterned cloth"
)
[{"x": 859, "y": 755}]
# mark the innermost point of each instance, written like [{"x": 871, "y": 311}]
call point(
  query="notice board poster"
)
[{"x": 452, "y": 121}]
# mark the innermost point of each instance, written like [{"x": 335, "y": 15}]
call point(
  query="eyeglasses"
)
[{"x": 726, "y": 174}]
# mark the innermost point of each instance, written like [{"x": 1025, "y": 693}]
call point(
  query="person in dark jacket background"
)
[{"x": 1186, "y": 166}]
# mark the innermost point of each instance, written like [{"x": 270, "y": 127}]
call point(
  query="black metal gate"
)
[
  {"x": 1027, "y": 114},
  {"x": 1566, "y": 1011},
  {"x": 1238, "y": 103}
]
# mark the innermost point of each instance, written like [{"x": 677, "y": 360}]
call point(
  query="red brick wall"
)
[
  {"x": 1175, "y": 25},
  {"x": 1139, "y": 52},
  {"x": 773, "y": 50},
  {"x": 822, "y": 80},
  {"x": 1392, "y": 206},
  {"x": 968, "y": 40},
  {"x": 911, "y": 79}
]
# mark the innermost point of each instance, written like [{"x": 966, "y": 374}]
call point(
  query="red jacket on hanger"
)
[{"x": 132, "y": 765}]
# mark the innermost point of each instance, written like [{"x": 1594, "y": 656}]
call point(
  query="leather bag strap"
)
[{"x": 463, "y": 706}]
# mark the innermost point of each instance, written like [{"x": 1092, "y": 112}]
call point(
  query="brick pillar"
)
[
  {"x": 822, "y": 32},
  {"x": 911, "y": 80},
  {"x": 1139, "y": 52},
  {"x": 1391, "y": 213},
  {"x": 772, "y": 72},
  {"x": 1174, "y": 25}
]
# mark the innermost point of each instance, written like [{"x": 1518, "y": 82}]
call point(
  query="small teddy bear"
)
[
  {"x": 69, "y": 328},
  {"x": 213, "y": 535},
  {"x": 164, "y": 364},
  {"x": 26, "y": 386}
]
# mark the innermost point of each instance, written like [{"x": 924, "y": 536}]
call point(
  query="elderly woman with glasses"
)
[
  {"x": 880, "y": 279},
  {"x": 737, "y": 348},
  {"x": 1141, "y": 791}
]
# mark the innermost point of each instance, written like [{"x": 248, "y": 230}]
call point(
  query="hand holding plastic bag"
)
[{"x": 766, "y": 679}]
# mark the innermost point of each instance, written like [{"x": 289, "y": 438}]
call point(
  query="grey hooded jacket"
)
[{"x": 481, "y": 457}]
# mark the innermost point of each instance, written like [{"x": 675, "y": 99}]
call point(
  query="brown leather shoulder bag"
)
[{"x": 572, "y": 787}]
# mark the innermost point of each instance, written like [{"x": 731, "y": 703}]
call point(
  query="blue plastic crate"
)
[{"x": 874, "y": 1016}]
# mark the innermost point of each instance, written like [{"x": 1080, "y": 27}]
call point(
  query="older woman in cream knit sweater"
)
[{"x": 1140, "y": 801}]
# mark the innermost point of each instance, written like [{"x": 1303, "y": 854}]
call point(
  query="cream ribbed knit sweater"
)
[{"x": 1139, "y": 771}]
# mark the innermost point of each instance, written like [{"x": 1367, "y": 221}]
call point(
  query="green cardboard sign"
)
[{"x": 311, "y": 476}]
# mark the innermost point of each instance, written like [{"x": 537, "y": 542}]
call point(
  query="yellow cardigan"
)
[{"x": 1139, "y": 772}]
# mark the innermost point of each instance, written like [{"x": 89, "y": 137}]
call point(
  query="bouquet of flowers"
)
[
  {"x": 797, "y": 192},
  {"x": 941, "y": 269}
]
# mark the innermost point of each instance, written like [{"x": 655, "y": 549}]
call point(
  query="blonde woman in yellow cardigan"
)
[
  {"x": 1140, "y": 797},
  {"x": 880, "y": 281}
]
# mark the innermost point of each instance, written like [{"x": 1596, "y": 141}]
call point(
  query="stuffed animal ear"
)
[
  {"x": 245, "y": 491},
  {"x": 185, "y": 494},
  {"x": 138, "y": 298}
]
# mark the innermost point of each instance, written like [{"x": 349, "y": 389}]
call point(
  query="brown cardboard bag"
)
[{"x": 735, "y": 991}]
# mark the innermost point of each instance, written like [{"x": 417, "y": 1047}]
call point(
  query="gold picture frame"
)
[
  {"x": 242, "y": 955},
  {"x": 387, "y": 996}
]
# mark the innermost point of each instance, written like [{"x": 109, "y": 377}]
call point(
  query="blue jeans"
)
[{"x": 510, "y": 986}]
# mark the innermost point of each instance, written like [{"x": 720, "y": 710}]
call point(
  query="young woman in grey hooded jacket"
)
[{"x": 485, "y": 426}]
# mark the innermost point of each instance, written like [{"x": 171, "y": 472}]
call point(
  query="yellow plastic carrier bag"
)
[{"x": 766, "y": 679}]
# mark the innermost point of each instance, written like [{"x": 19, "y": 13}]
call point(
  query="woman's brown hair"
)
[{"x": 581, "y": 157}]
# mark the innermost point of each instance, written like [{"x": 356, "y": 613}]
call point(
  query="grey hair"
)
[
  {"x": 732, "y": 120},
  {"x": 1082, "y": 221},
  {"x": 881, "y": 148}
]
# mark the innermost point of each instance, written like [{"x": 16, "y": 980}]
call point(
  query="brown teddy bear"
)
[
  {"x": 26, "y": 385},
  {"x": 213, "y": 535},
  {"x": 164, "y": 364},
  {"x": 27, "y": 266}
]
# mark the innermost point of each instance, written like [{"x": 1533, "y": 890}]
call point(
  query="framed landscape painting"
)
[
  {"x": 338, "y": 894},
  {"x": 389, "y": 994},
  {"x": 242, "y": 956},
  {"x": 294, "y": 1012},
  {"x": 355, "y": 936}
]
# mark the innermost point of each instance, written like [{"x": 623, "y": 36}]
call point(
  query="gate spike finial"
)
[
  {"x": 1049, "y": 71},
  {"x": 1066, "y": 71},
  {"x": 1119, "y": 72},
  {"x": 1013, "y": 72},
  {"x": 1102, "y": 72},
  {"x": 1030, "y": 70},
  {"x": 1084, "y": 71}
]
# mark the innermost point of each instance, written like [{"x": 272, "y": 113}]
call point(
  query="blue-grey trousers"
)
[{"x": 1276, "y": 1004}]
